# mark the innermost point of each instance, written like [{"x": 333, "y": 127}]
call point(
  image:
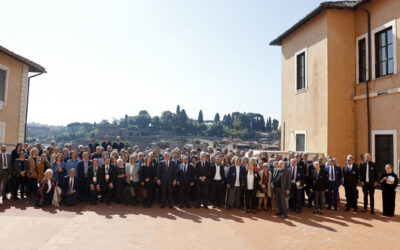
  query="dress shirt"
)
[
  {"x": 237, "y": 182},
  {"x": 217, "y": 176},
  {"x": 367, "y": 173},
  {"x": 331, "y": 173},
  {"x": 4, "y": 159},
  {"x": 250, "y": 180},
  {"x": 85, "y": 166},
  {"x": 294, "y": 174}
]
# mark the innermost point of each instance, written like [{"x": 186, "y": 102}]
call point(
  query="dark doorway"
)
[{"x": 383, "y": 151}]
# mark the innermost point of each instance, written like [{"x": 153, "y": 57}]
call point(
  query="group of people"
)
[{"x": 109, "y": 172}]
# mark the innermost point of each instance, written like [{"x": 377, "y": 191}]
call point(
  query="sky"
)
[{"x": 106, "y": 59}]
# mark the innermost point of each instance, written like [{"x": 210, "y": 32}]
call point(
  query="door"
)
[{"x": 383, "y": 151}]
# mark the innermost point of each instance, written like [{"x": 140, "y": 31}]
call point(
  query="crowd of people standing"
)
[{"x": 217, "y": 177}]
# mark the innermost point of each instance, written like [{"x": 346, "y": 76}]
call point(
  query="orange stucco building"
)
[
  {"x": 327, "y": 64},
  {"x": 14, "y": 91}
]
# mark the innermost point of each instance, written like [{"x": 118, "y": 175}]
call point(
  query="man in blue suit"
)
[
  {"x": 166, "y": 179},
  {"x": 235, "y": 174},
  {"x": 297, "y": 178},
  {"x": 334, "y": 174},
  {"x": 70, "y": 188},
  {"x": 185, "y": 180}
]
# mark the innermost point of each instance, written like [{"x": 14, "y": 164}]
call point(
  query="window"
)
[
  {"x": 362, "y": 60},
  {"x": 300, "y": 142},
  {"x": 384, "y": 63},
  {"x": 2, "y": 85},
  {"x": 301, "y": 71}
]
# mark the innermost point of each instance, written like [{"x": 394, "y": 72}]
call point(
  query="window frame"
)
[
  {"x": 304, "y": 50},
  {"x": 305, "y": 140},
  {"x": 7, "y": 70},
  {"x": 365, "y": 36},
  {"x": 391, "y": 24}
]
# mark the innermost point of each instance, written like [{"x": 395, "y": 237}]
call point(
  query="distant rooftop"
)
[
  {"x": 352, "y": 5},
  {"x": 33, "y": 67}
]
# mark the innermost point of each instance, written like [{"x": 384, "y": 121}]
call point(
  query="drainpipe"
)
[
  {"x": 369, "y": 77},
  {"x": 27, "y": 102}
]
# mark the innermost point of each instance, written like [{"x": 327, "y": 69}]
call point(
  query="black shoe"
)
[
  {"x": 170, "y": 206},
  {"x": 321, "y": 212},
  {"x": 205, "y": 207},
  {"x": 364, "y": 210},
  {"x": 197, "y": 206},
  {"x": 284, "y": 216},
  {"x": 162, "y": 206},
  {"x": 188, "y": 206},
  {"x": 347, "y": 209},
  {"x": 355, "y": 210},
  {"x": 372, "y": 212},
  {"x": 182, "y": 206},
  {"x": 298, "y": 211},
  {"x": 315, "y": 211},
  {"x": 247, "y": 211},
  {"x": 253, "y": 211},
  {"x": 278, "y": 214},
  {"x": 213, "y": 206},
  {"x": 335, "y": 209}
]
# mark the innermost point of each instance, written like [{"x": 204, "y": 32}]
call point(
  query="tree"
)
[
  {"x": 167, "y": 120},
  {"x": 268, "y": 126},
  {"x": 143, "y": 112},
  {"x": 216, "y": 118},
  {"x": 104, "y": 122},
  {"x": 200, "y": 118},
  {"x": 178, "y": 110},
  {"x": 143, "y": 120},
  {"x": 183, "y": 117},
  {"x": 237, "y": 125},
  {"x": 275, "y": 124},
  {"x": 155, "y": 122}
]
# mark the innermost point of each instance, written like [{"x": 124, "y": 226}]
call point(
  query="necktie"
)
[
  {"x": 332, "y": 174},
  {"x": 293, "y": 174},
  {"x": 70, "y": 186},
  {"x": 367, "y": 174}
]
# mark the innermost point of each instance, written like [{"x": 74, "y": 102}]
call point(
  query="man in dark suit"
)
[
  {"x": 233, "y": 183},
  {"x": 118, "y": 145},
  {"x": 282, "y": 184},
  {"x": 369, "y": 181},
  {"x": 83, "y": 167},
  {"x": 351, "y": 176},
  {"x": 157, "y": 158},
  {"x": 93, "y": 145},
  {"x": 202, "y": 178},
  {"x": 18, "y": 175},
  {"x": 70, "y": 188},
  {"x": 108, "y": 180},
  {"x": 185, "y": 180},
  {"x": 5, "y": 166},
  {"x": 166, "y": 178},
  {"x": 297, "y": 177},
  {"x": 334, "y": 174},
  {"x": 94, "y": 182},
  {"x": 106, "y": 143},
  {"x": 217, "y": 178},
  {"x": 309, "y": 180}
]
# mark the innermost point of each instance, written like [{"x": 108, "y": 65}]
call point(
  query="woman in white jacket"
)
[{"x": 265, "y": 184}]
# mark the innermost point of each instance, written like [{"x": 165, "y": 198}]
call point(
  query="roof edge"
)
[
  {"x": 350, "y": 5},
  {"x": 33, "y": 67}
]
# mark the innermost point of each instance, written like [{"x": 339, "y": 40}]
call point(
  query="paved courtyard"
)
[{"x": 124, "y": 227}]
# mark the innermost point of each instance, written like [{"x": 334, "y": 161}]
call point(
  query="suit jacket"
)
[
  {"x": 373, "y": 172},
  {"x": 203, "y": 171},
  {"x": 8, "y": 156},
  {"x": 185, "y": 178},
  {"x": 99, "y": 176},
  {"x": 65, "y": 185},
  {"x": 337, "y": 172},
  {"x": 256, "y": 180},
  {"x": 112, "y": 175},
  {"x": 351, "y": 178},
  {"x": 167, "y": 176},
  {"x": 319, "y": 181},
  {"x": 18, "y": 167},
  {"x": 231, "y": 179},
  {"x": 299, "y": 175},
  {"x": 93, "y": 147},
  {"x": 105, "y": 145},
  {"x": 81, "y": 170},
  {"x": 286, "y": 180},
  {"x": 118, "y": 147},
  {"x": 221, "y": 172}
]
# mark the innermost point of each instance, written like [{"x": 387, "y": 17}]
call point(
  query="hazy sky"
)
[{"x": 106, "y": 59}]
